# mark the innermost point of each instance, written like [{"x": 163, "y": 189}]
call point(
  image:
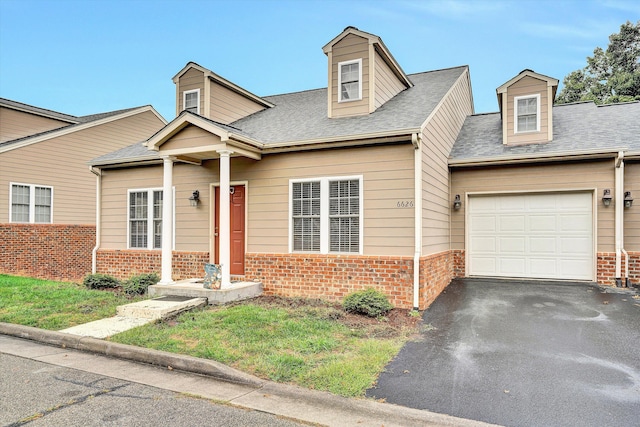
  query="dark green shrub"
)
[
  {"x": 368, "y": 302},
  {"x": 101, "y": 281},
  {"x": 137, "y": 285}
]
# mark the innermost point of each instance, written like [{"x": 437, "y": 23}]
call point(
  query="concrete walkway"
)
[{"x": 214, "y": 380}]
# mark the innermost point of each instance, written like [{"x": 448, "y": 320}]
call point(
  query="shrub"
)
[
  {"x": 368, "y": 302},
  {"x": 137, "y": 285},
  {"x": 101, "y": 281}
]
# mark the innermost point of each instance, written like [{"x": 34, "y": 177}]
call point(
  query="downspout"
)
[
  {"x": 94, "y": 252},
  {"x": 619, "y": 215},
  {"x": 416, "y": 140}
]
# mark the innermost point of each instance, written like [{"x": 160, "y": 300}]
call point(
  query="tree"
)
[{"x": 610, "y": 76}]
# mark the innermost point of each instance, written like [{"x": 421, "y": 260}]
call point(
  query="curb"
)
[{"x": 137, "y": 354}]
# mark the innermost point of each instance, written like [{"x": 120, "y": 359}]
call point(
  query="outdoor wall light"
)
[
  {"x": 628, "y": 200},
  {"x": 457, "y": 202},
  {"x": 606, "y": 197},
  {"x": 195, "y": 198}
]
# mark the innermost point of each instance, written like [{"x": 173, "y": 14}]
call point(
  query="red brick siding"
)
[
  {"x": 606, "y": 266},
  {"x": 634, "y": 268},
  {"x": 332, "y": 276},
  {"x": 436, "y": 272},
  {"x": 47, "y": 251},
  {"x": 123, "y": 264},
  {"x": 458, "y": 262}
]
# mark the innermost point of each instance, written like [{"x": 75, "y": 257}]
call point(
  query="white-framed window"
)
[
  {"x": 350, "y": 80},
  {"x": 527, "y": 113},
  {"x": 326, "y": 215},
  {"x": 31, "y": 203},
  {"x": 145, "y": 218},
  {"x": 191, "y": 100}
]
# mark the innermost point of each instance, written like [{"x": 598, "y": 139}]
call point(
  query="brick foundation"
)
[
  {"x": 123, "y": 264},
  {"x": 634, "y": 268},
  {"x": 332, "y": 277},
  {"x": 47, "y": 251}
]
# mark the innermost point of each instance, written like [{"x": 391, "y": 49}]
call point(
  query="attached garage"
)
[{"x": 533, "y": 235}]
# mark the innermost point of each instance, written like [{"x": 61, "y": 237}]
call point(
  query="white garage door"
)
[{"x": 546, "y": 236}]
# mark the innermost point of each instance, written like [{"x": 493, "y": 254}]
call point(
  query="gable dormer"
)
[
  {"x": 363, "y": 74},
  {"x": 526, "y": 108},
  {"x": 205, "y": 93}
]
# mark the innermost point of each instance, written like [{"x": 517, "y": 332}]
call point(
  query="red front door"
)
[{"x": 236, "y": 206}]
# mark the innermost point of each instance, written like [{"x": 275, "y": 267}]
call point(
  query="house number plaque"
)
[{"x": 404, "y": 204}]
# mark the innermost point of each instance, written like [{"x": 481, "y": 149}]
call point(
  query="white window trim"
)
[
  {"x": 32, "y": 203},
  {"x": 340, "y": 64},
  {"x": 515, "y": 109},
  {"x": 324, "y": 213},
  {"x": 149, "y": 223},
  {"x": 184, "y": 99}
]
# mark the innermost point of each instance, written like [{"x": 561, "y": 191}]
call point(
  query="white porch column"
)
[
  {"x": 225, "y": 218},
  {"x": 167, "y": 220}
]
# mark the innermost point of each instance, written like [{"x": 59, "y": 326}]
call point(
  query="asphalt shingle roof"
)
[
  {"x": 302, "y": 116},
  {"x": 577, "y": 128}
]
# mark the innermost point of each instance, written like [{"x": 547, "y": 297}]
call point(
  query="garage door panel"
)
[
  {"x": 512, "y": 245},
  {"x": 543, "y": 267},
  {"x": 484, "y": 265},
  {"x": 511, "y": 265},
  {"x": 483, "y": 224},
  {"x": 511, "y": 223},
  {"x": 542, "y": 245},
  {"x": 539, "y": 222},
  {"x": 532, "y": 235}
]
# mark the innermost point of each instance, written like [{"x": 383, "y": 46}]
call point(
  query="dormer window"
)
[
  {"x": 527, "y": 113},
  {"x": 350, "y": 80},
  {"x": 191, "y": 100}
]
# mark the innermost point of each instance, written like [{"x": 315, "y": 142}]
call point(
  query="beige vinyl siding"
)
[
  {"x": 190, "y": 137},
  {"x": 228, "y": 106},
  {"x": 437, "y": 139},
  {"x": 191, "y": 80},
  {"x": 350, "y": 48},
  {"x": 387, "y": 84},
  {"x": 632, "y": 215},
  {"x": 63, "y": 164},
  {"x": 523, "y": 87},
  {"x": 387, "y": 178},
  {"x": 537, "y": 178},
  {"x": 18, "y": 124}
]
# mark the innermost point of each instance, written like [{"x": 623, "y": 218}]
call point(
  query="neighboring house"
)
[
  {"x": 323, "y": 192},
  {"x": 47, "y": 191},
  {"x": 543, "y": 187}
]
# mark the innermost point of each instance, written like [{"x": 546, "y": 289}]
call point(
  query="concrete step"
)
[{"x": 237, "y": 291}]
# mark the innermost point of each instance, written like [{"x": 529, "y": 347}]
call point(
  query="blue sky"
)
[{"x": 89, "y": 56}]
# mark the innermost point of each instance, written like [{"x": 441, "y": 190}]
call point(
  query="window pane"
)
[
  {"x": 344, "y": 220},
  {"x": 527, "y": 114},
  {"x": 138, "y": 219},
  {"x": 350, "y": 81},
  {"x": 191, "y": 102},
  {"x": 306, "y": 216},
  {"x": 157, "y": 219},
  {"x": 42, "y": 204},
  {"x": 20, "y": 195}
]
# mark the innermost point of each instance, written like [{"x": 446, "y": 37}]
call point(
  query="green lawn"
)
[
  {"x": 53, "y": 305},
  {"x": 311, "y": 344}
]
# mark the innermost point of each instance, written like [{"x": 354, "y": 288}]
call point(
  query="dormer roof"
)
[
  {"x": 223, "y": 82},
  {"x": 526, "y": 73},
  {"x": 378, "y": 45}
]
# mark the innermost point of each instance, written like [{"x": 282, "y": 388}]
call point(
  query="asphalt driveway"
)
[{"x": 524, "y": 353}]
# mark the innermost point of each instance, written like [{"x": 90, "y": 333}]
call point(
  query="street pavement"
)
[
  {"x": 147, "y": 376},
  {"x": 524, "y": 353},
  {"x": 40, "y": 394}
]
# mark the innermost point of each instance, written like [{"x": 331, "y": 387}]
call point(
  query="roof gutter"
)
[{"x": 547, "y": 157}]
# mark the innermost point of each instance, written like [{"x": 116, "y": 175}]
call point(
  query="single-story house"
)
[
  {"x": 47, "y": 194},
  {"x": 383, "y": 179}
]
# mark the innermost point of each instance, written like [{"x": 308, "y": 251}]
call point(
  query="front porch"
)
[{"x": 194, "y": 288}]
